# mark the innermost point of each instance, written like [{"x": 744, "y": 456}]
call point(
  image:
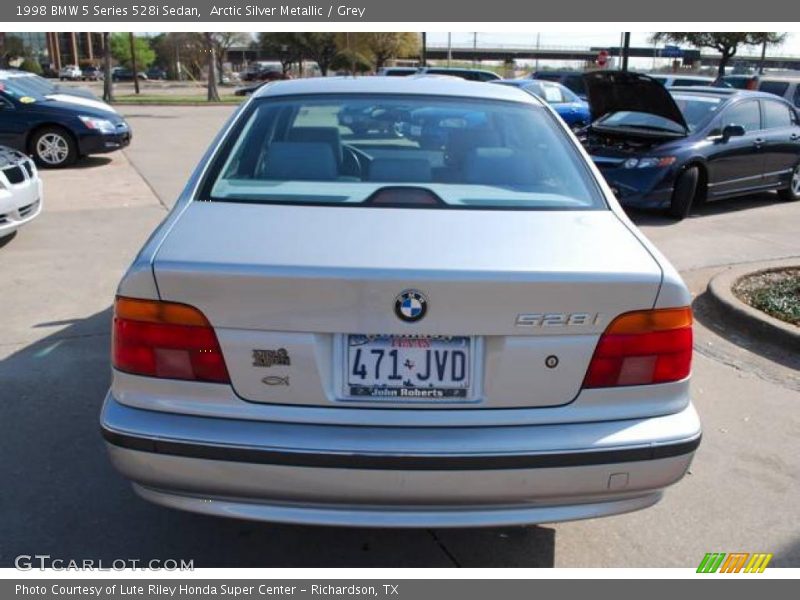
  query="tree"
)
[
  {"x": 726, "y": 43},
  {"x": 224, "y": 41},
  {"x": 320, "y": 47},
  {"x": 385, "y": 45},
  {"x": 108, "y": 85},
  {"x": 11, "y": 48},
  {"x": 287, "y": 47},
  {"x": 180, "y": 53},
  {"x": 31, "y": 65},
  {"x": 351, "y": 61},
  {"x": 213, "y": 93},
  {"x": 121, "y": 50},
  {"x": 380, "y": 47}
]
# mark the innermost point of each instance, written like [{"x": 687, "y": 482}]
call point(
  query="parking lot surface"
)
[{"x": 61, "y": 497}]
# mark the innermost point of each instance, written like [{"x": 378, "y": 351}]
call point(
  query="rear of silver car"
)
[{"x": 362, "y": 362}]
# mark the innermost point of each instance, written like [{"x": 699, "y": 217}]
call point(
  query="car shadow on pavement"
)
[
  {"x": 709, "y": 316},
  {"x": 6, "y": 239},
  {"x": 61, "y": 496},
  {"x": 91, "y": 162},
  {"x": 707, "y": 209}
]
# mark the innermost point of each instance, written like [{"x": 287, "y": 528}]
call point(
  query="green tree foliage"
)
[
  {"x": 352, "y": 62},
  {"x": 121, "y": 50},
  {"x": 31, "y": 65},
  {"x": 11, "y": 48},
  {"x": 287, "y": 47},
  {"x": 319, "y": 46},
  {"x": 726, "y": 43}
]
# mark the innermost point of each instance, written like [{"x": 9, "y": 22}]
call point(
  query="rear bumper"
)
[{"x": 398, "y": 476}]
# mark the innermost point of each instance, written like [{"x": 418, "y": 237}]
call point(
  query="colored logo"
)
[
  {"x": 410, "y": 306},
  {"x": 735, "y": 562}
]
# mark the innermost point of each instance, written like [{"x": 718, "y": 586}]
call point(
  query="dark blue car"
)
[
  {"x": 674, "y": 149},
  {"x": 573, "y": 110},
  {"x": 56, "y": 129}
]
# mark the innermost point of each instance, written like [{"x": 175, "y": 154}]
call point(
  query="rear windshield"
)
[{"x": 401, "y": 151}]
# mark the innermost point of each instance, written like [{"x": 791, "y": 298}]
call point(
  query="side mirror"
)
[{"x": 732, "y": 130}]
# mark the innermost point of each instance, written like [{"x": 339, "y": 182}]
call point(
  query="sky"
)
[{"x": 552, "y": 38}]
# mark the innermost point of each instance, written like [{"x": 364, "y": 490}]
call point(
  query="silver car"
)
[{"x": 348, "y": 328}]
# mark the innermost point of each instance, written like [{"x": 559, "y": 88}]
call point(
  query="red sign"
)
[{"x": 602, "y": 58}]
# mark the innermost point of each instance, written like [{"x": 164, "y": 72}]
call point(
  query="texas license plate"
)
[{"x": 407, "y": 368}]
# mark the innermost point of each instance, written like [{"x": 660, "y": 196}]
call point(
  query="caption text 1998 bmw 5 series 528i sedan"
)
[{"x": 442, "y": 320}]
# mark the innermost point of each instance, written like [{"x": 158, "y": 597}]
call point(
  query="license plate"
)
[{"x": 407, "y": 368}]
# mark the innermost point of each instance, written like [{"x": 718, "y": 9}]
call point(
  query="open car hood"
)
[{"x": 614, "y": 91}]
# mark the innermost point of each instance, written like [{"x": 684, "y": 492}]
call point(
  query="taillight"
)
[
  {"x": 643, "y": 347},
  {"x": 165, "y": 339}
]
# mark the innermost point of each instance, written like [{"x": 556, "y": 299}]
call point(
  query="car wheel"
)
[
  {"x": 792, "y": 193},
  {"x": 683, "y": 194},
  {"x": 54, "y": 147}
]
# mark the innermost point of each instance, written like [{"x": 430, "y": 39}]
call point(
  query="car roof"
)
[
  {"x": 679, "y": 76},
  {"x": 720, "y": 91},
  {"x": 414, "y": 85}
]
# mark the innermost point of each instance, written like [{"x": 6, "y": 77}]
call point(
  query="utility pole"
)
[
  {"x": 133, "y": 64},
  {"x": 449, "y": 48},
  {"x": 424, "y": 56},
  {"x": 474, "y": 49},
  {"x": 538, "y": 39},
  {"x": 626, "y": 49}
]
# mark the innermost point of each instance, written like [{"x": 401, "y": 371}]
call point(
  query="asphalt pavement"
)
[{"x": 61, "y": 497}]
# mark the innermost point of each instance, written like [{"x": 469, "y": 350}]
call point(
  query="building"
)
[{"x": 57, "y": 49}]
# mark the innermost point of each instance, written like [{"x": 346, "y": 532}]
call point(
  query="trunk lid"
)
[{"x": 299, "y": 278}]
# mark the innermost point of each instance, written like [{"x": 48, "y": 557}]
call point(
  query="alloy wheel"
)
[{"x": 52, "y": 148}]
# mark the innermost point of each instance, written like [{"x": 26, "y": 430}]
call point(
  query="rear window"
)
[
  {"x": 774, "y": 87},
  {"x": 401, "y": 151},
  {"x": 690, "y": 82}
]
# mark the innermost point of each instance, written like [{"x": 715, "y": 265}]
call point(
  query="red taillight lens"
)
[
  {"x": 165, "y": 339},
  {"x": 643, "y": 347}
]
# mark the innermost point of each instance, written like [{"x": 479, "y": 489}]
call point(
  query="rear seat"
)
[{"x": 304, "y": 161}]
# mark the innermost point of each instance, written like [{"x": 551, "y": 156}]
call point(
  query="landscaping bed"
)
[{"x": 775, "y": 292}]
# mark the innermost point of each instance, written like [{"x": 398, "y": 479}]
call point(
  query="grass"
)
[
  {"x": 178, "y": 100},
  {"x": 776, "y": 293}
]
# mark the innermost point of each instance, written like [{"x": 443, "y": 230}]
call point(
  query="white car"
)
[
  {"x": 71, "y": 72},
  {"x": 20, "y": 191},
  {"x": 347, "y": 328}
]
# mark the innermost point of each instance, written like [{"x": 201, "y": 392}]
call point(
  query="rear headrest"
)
[
  {"x": 402, "y": 170},
  {"x": 461, "y": 142},
  {"x": 298, "y": 160},
  {"x": 498, "y": 166},
  {"x": 326, "y": 135}
]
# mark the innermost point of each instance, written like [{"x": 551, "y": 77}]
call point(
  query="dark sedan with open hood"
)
[{"x": 673, "y": 149}]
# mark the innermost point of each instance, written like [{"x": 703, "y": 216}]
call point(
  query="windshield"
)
[
  {"x": 401, "y": 151},
  {"x": 696, "y": 111},
  {"x": 31, "y": 86}
]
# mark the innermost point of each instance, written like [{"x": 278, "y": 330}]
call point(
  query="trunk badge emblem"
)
[{"x": 410, "y": 306}]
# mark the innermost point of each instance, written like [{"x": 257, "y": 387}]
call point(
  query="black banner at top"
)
[{"x": 46, "y": 11}]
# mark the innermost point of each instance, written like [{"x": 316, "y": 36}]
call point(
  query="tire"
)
[
  {"x": 792, "y": 193},
  {"x": 53, "y": 148},
  {"x": 684, "y": 193}
]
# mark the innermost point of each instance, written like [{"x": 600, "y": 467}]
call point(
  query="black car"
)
[
  {"x": 673, "y": 149},
  {"x": 156, "y": 73},
  {"x": 125, "y": 74},
  {"x": 56, "y": 130}
]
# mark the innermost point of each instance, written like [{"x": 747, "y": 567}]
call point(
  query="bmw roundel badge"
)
[{"x": 410, "y": 306}]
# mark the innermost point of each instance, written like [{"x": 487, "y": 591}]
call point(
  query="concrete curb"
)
[{"x": 745, "y": 317}]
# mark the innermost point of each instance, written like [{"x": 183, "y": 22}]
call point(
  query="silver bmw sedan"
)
[{"x": 400, "y": 302}]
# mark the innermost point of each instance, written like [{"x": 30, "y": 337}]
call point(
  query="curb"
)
[{"x": 745, "y": 317}]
